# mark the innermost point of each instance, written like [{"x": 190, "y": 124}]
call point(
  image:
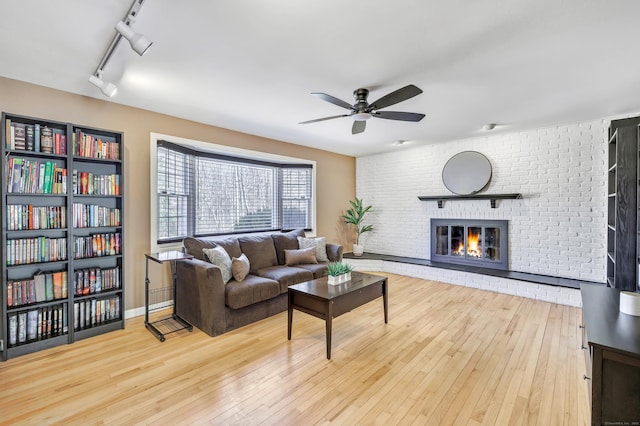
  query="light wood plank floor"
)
[{"x": 449, "y": 355}]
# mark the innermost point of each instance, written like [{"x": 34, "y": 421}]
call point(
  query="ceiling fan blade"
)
[
  {"x": 398, "y": 115},
  {"x": 358, "y": 127},
  {"x": 392, "y": 98},
  {"x": 333, "y": 100},
  {"x": 323, "y": 119}
]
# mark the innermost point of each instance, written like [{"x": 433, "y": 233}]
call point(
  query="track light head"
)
[
  {"x": 138, "y": 42},
  {"x": 108, "y": 89}
]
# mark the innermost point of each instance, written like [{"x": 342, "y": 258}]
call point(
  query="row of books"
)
[
  {"x": 35, "y": 177},
  {"x": 40, "y": 288},
  {"x": 85, "y": 145},
  {"x": 37, "y": 324},
  {"x": 33, "y": 137},
  {"x": 46, "y": 287},
  {"x": 91, "y": 215},
  {"x": 97, "y": 245},
  {"x": 92, "y": 312},
  {"x": 24, "y": 251},
  {"x": 87, "y": 183},
  {"x": 22, "y": 217},
  {"x": 96, "y": 280}
]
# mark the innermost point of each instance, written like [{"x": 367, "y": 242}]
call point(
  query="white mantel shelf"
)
[{"x": 491, "y": 197}]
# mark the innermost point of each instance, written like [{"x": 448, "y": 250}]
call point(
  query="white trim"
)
[
  {"x": 137, "y": 312},
  {"x": 219, "y": 149}
]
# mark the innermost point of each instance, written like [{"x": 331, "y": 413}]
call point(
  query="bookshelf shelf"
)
[{"x": 77, "y": 173}]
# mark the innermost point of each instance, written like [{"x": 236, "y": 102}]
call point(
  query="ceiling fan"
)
[{"x": 362, "y": 110}]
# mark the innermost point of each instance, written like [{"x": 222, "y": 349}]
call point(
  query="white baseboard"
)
[{"x": 137, "y": 312}]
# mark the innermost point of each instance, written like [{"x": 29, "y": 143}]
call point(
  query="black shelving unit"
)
[
  {"x": 622, "y": 205},
  {"x": 86, "y": 207}
]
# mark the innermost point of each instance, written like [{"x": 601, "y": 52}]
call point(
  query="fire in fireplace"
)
[{"x": 481, "y": 243}]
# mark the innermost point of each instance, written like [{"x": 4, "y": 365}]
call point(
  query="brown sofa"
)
[{"x": 205, "y": 301}]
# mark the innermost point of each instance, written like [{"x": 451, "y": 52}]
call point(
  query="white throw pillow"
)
[
  {"x": 219, "y": 257},
  {"x": 319, "y": 243}
]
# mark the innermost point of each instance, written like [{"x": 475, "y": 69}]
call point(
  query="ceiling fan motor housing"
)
[{"x": 360, "y": 107}]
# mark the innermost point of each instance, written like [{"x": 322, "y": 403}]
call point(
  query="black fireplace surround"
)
[{"x": 474, "y": 242}]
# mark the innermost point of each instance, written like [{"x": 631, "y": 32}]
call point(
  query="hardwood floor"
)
[{"x": 449, "y": 355}]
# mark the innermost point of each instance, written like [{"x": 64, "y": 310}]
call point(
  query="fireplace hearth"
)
[{"x": 474, "y": 242}]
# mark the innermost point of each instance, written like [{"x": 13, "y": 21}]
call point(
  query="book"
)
[
  {"x": 19, "y": 136},
  {"x": 57, "y": 285},
  {"x": 39, "y": 279},
  {"x": 46, "y": 140},
  {"x": 16, "y": 174},
  {"x": 32, "y": 324},
  {"x": 36, "y": 137},
  {"x": 13, "y": 329},
  {"x": 22, "y": 327},
  {"x": 48, "y": 287},
  {"x": 48, "y": 177},
  {"x": 64, "y": 284},
  {"x": 29, "y": 137},
  {"x": 8, "y": 137},
  {"x": 9, "y": 293},
  {"x": 41, "y": 174}
]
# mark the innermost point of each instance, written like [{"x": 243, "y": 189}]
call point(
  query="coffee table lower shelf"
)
[{"x": 325, "y": 301}]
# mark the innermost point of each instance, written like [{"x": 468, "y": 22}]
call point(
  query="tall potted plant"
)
[{"x": 355, "y": 216}]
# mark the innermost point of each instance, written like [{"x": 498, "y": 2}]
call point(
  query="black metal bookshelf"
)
[{"x": 84, "y": 168}]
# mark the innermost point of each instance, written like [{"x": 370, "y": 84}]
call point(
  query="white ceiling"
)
[{"x": 250, "y": 65}]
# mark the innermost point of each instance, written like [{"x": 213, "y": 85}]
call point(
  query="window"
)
[{"x": 200, "y": 193}]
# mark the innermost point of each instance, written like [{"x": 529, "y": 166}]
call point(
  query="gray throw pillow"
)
[
  {"x": 300, "y": 256},
  {"x": 219, "y": 257},
  {"x": 240, "y": 267},
  {"x": 319, "y": 243}
]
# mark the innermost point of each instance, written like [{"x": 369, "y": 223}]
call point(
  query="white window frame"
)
[{"x": 217, "y": 149}]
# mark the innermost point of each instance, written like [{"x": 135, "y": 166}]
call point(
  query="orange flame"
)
[
  {"x": 473, "y": 242},
  {"x": 473, "y": 239}
]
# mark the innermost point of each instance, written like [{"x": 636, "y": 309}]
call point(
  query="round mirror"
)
[{"x": 466, "y": 173}]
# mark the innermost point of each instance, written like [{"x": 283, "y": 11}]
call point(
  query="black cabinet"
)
[
  {"x": 61, "y": 209},
  {"x": 611, "y": 341}
]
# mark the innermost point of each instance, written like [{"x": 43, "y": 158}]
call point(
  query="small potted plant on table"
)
[{"x": 338, "y": 272}]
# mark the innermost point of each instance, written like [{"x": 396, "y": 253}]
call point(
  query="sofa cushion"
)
[
  {"x": 286, "y": 275},
  {"x": 286, "y": 241},
  {"x": 320, "y": 245},
  {"x": 260, "y": 250},
  {"x": 318, "y": 270},
  {"x": 252, "y": 289},
  {"x": 240, "y": 267},
  {"x": 194, "y": 246},
  {"x": 219, "y": 257},
  {"x": 300, "y": 256},
  {"x": 231, "y": 245}
]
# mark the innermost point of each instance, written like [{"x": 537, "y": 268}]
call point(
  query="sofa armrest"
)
[
  {"x": 334, "y": 252},
  {"x": 200, "y": 295}
]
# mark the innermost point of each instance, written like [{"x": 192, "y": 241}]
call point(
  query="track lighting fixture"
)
[
  {"x": 109, "y": 89},
  {"x": 138, "y": 42}
]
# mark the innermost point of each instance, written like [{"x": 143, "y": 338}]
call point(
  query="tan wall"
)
[{"x": 335, "y": 173}]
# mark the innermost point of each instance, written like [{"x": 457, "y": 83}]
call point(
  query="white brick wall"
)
[{"x": 558, "y": 228}]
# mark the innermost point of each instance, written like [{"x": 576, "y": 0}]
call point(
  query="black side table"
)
[{"x": 161, "y": 327}]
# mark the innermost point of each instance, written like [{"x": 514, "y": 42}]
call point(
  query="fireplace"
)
[{"x": 474, "y": 242}]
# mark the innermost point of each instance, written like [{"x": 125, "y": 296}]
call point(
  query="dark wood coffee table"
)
[{"x": 327, "y": 301}]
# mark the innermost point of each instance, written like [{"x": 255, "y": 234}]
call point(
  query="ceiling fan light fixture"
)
[
  {"x": 108, "y": 89},
  {"x": 138, "y": 42},
  {"x": 361, "y": 116}
]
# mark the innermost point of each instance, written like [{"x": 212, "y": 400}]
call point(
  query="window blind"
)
[{"x": 202, "y": 193}]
